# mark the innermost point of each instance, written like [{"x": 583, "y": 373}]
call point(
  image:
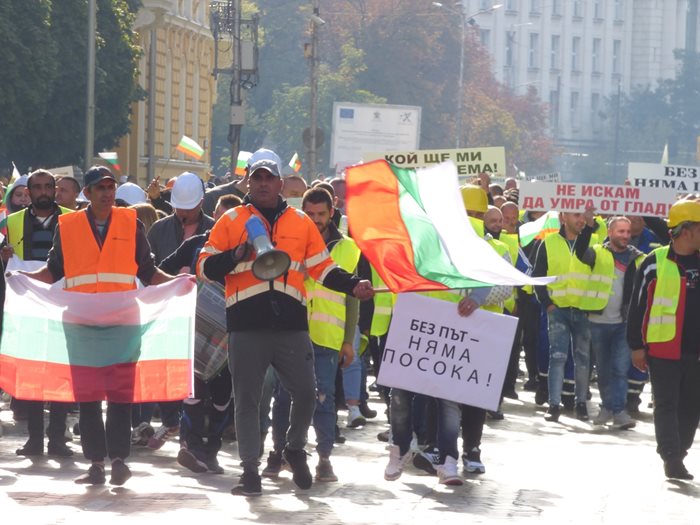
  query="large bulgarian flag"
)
[
  {"x": 127, "y": 347},
  {"x": 412, "y": 227}
]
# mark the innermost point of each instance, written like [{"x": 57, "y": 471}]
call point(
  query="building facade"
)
[
  {"x": 176, "y": 72},
  {"x": 578, "y": 53}
]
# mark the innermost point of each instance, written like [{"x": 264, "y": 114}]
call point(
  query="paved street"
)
[{"x": 552, "y": 473}]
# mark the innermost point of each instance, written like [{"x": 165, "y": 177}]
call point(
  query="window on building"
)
[
  {"x": 534, "y": 6},
  {"x": 553, "y": 109},
  {"x": 510, "y": 45},
  {"x": 576, "y": 53},
  {"x": 574, "y": 109},
  {"x": 485, "y": 4},
  {"x": 556, "y": 7},
  {"x": 597, "y": 45},
  {"x": 511, "y": 5},
  {"x": 554, "y": 55},
  {"x": 598, "y": 9},
  {"x": 578, "y": 9},
  {"x": 595, "y": 111},
  {"x": 619, "y": 9},
  {"x": 485, "y": 38},
  {"x": 617, "y": 57},
  {"x": 533, "y": 51}
]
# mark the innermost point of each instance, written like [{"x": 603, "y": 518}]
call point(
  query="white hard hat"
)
[
  {"x": 188, "y": 192},
  {"x": 131, "y": 193}
]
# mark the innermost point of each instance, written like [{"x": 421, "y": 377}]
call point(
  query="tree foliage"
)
[
  {"x": 404, "y": 52},
  {"x": 48, "y": 123}
]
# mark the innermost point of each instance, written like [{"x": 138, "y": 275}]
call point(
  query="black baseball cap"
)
[{"x": 97, "y": 174}]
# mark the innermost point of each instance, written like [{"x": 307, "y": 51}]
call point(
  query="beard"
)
[{"x": 43, "y": 203}]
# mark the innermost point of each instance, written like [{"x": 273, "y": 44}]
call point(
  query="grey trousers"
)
[{"x": 292, "y": 356}]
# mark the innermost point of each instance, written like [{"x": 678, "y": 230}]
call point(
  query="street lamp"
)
[{"x": 464, "y": 20}]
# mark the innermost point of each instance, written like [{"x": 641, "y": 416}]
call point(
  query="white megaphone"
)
[{"x": 269, "y": 262}]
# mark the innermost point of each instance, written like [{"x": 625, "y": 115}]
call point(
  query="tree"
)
[
  {"x": 28, "y": 65},
  {"x": 55, "y": 130}
]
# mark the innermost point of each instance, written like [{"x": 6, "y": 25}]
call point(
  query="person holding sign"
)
[
  {"x": 613, "y": 264},
  {"x": 662, "y": 330},
  {"x": 566, "y": 301}
]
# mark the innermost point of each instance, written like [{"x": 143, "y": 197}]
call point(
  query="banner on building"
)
[
  {"x": 682, "y": 179},
  {"x": 604, "y": 198},
  {"x": 469, "y": 161},
  {"x": 432, "y": 350}
]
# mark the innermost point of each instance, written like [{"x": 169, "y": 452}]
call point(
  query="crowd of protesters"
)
[{"x": 303, "y": 348}]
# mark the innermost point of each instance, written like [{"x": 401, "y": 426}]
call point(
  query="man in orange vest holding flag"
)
[{"x": 102, "y": 249}]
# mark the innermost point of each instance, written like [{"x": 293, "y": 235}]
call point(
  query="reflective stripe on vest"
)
[
  {"x": 91, "y": 269},
  {"x": 571, "y": 288},
  {"x": 383, "y": 307},
  {"x": 326, "y": 307},
  {"x": 661, "y": 325}
]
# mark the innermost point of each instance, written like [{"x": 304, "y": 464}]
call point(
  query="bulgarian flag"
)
[
  {"x": 295, "y": 163},
  {"x": 131, "y": 347},
  {"x": 539, "y": 229},
  {"x": 412, "y": 227},
  {"x": 190, "y": 147},
  {"x": 111, "y": 157},
  {"x": 242, "y": 162}
]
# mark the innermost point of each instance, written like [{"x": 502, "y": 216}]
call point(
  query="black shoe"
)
[
  {"x": 339, "y": 438},
  {"x": 427, "y": 460},
  {"x": 530, "y": 385},
  {"x": 675, "y": 469},
  {"x": 60, "y": 450},
  {"x": 367, "y": 412},
  {"x": 94, "y": 476},
  {"x": 496, "y": 415},
  {"x": 568, "y": 403},
  {"x": 541, "y": 394},
  {"x": 120, "y": 472},
  {"x": 581, "y": 411},
  {"x": 31, "y": 448},
  {"x": 552, "y": 413},
  {"x": 248, "y": 485},
  {"x": 301, "y": 475},
  {"x": 275, "y": 464},
  {"x": 510, "y": 394},
  {"x": 633, "y": 403},
  {"x": 189, "y": 460},
  {"x": 383, "y": 436}
]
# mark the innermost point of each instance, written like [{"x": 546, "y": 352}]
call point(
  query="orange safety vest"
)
[
  {"x": 293, "y": 233},
  {"x": 90, "y": 268}
]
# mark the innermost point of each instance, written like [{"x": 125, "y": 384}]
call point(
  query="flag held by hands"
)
[{"x": 412, "y": 227}]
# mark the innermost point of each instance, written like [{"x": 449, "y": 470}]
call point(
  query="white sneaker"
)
[
  {"x": 448, "y": 474},
  {"x": 623, "y": 421},
  {"x": 355, "y": 417},
  {"x": 603, "y": 417},
  {"x": 397, "y": 462}
]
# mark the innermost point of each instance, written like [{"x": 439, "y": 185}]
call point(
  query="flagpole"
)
[{"x": 90, "y": 98}]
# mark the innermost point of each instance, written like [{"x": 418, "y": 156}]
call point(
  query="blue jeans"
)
[
  {"x": 614, "y": 358},
  {"x": 352, "y": 375},
  {"x": 448, "y": 422},
  {"x": 564, "y": 326}
]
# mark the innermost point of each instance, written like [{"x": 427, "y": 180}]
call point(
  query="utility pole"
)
[
  {"x": 617, "y": 131},
  {"x": 237, "y": 117},
  {"x": 313, "y": 139},
  {"x": 90, "y": 98}
]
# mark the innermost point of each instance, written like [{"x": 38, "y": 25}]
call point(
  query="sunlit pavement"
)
[{"x": 568, "y": 472}]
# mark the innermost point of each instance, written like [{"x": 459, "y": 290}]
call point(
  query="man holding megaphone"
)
[{"x": 264, "y": 249}]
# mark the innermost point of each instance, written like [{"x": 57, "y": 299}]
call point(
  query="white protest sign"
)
[
  {"x": 432, "y": 350},
  {"x": 683, "y": 179},
  {"x": 604, "y": 198},
  {"x": 547, "y": 177},
  {"x": 469, "y": 161}
]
